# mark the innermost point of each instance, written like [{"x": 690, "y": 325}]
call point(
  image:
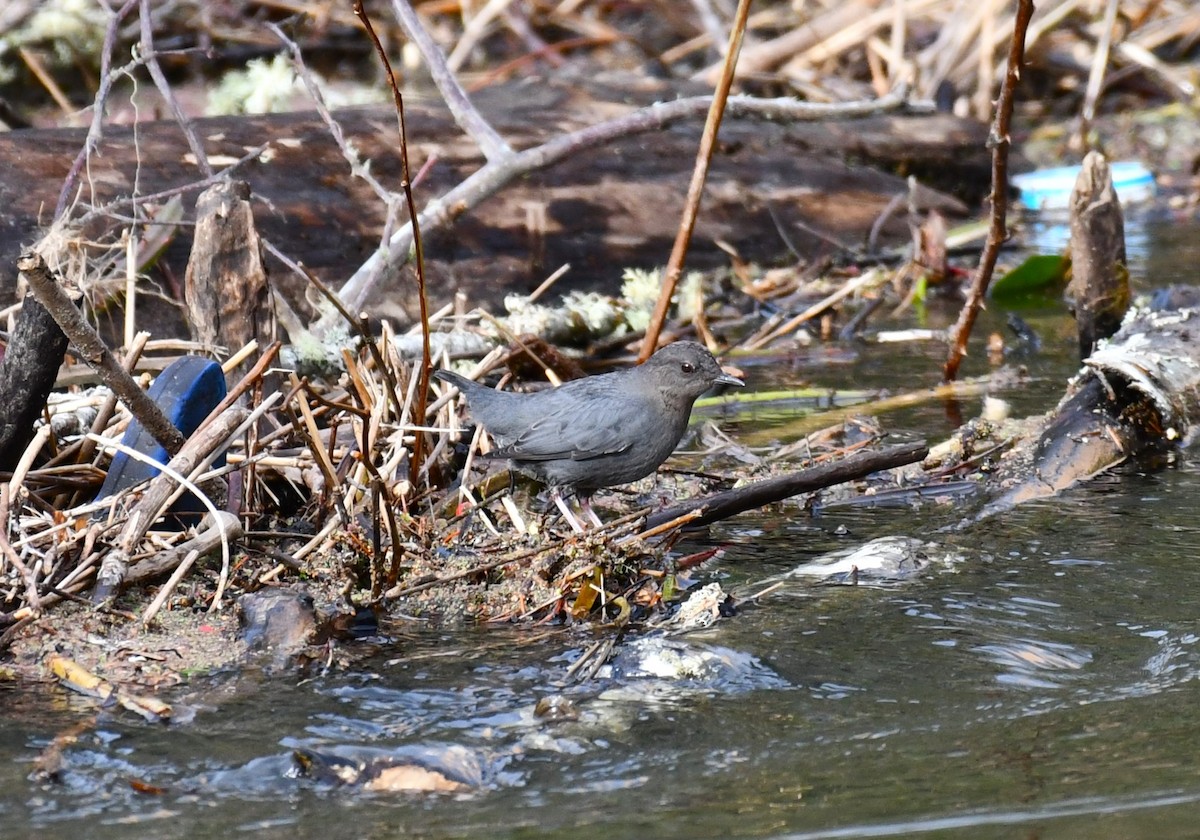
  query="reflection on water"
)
[{"x": 1034, "y": 676}]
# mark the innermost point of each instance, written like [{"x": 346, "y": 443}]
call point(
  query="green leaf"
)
[{"x": 1038, "y": 275}]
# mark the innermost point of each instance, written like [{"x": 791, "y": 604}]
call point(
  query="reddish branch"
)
[
  {"x": 422, "y": 395},
  {"x": 998, "y": 229}
]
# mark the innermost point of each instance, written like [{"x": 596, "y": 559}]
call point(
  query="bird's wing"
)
[{"x": 567, "y": 436}]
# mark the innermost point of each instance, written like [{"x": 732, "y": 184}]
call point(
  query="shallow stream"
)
[{"x": 1043, "y": 683}]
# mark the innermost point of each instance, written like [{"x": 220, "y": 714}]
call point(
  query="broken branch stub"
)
[
  {"x": 226, "y": 281},
  {"x": 1099, "y": 284}
]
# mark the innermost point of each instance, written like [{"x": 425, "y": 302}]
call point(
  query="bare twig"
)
[
  {"x": 708, "y": 142},
  {"x": 423, "y": 370},
  {"x": 1096, "y": 76},
  {"x": 997, "y": 230},
  {"x": 357, "y": 168},
  {"x": 164, "y": 89},
  {"x": 465, "y": 114},
  {"x": 96, "y": 129}
]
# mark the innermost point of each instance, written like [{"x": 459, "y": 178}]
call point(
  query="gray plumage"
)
[{"x": 599, "y": 431}]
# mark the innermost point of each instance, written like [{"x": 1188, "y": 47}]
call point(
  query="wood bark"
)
[
  {"x": 225, "y": 287},
  {"x": 1099, "y": 280},
  {"x": 31, "y": 361}
]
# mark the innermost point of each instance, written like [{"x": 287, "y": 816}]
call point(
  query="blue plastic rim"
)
[{"x": 1050, "y": 189}]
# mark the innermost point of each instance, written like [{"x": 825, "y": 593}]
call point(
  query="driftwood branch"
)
[{"x": 732, "y": 502}]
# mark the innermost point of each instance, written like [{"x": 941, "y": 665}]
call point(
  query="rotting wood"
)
[
  {"x": 225, "y": 284},
  {"x": 31, "y": 361},
  {"x": 1099, "y": 285}
]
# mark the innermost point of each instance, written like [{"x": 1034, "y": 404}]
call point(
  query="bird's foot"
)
[
  {"x": 565, "y": 508},
  {"x": 585, "y": 505}
]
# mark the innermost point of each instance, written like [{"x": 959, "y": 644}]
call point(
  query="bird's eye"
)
[{"x": 688, "y": 367}]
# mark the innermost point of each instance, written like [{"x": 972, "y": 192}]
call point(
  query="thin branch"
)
[
  {"x": 146, "y": 47},
  {"x": 423, "y": 371},
  {"x": 1000, "y": 141},
  {"x": 357, "y": 168},
  {"x": 469, "y": 119},
  {"x": 149, "y": 198},
  {"x": 96, "y": 129},
  {"x": 691, "y": 209}
]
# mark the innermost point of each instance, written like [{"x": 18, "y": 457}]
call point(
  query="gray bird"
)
[{"x": 599, "y": 431}]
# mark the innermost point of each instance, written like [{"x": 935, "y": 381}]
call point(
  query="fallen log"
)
[{"x": 601, "y": 211}]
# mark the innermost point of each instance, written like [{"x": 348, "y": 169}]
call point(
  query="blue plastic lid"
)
[{"x": 1050, "y": 189}]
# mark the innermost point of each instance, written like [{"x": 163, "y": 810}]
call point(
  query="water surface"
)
[{"x": 1043, "y": 685}]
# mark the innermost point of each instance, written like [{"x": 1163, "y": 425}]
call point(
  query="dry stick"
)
[
  {"x": 192, "y": 555},
  {"x": 418, "y": 446},
  {"x": 225, "y": 528},
  {"x": 691, "y": 209},
  {"x": 468, "y": 118},
  {"x": 473, "y": 32},
  {"x": 372, "y": 407},
  {"x": 39, "y": 72},
  {"x": 93, "y": 350},
  {"x": 1096, "y": 76},
  {"x": 997, "y": 230},
  {"x": 158, "y": 494},
  {"x": 31, "y": 591},
  {"x": 359, "y": 325},
  {"x": 756, "y": 494},
  {"x": 87, "y": 446},
  {"x": 493, "y": 176},
  {"x": 109, "y": 209},
  {"x": 765, "y": 337},
  {"x": 319, "y": 455},
  {"x": 349, "y": 152},
  {"x": 247, "y": 382},
  {"x": 96, "y": 129},
  {"x": 146, "y": 46}
]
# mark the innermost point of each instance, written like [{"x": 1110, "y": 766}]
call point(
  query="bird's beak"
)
[{"x": 728, "y": 379}]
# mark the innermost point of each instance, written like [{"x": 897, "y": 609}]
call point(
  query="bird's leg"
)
[
  {"x": 556, "y": 494},
  {"x": 585, "y": 505}
]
